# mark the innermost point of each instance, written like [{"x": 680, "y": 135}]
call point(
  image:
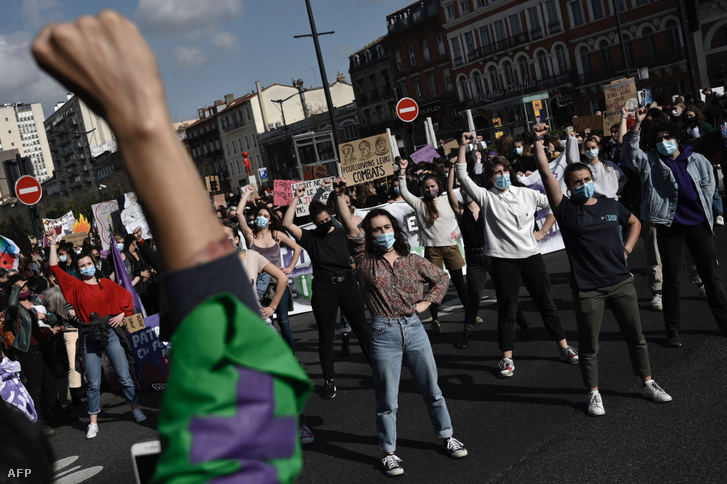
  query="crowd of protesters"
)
[{"x": 63, "y": 307}]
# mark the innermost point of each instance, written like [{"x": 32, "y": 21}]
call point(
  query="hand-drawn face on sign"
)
[
  {"x": 381, "y": 147},
  {"x": 347, "y": 151},
  {"x": 365, "y": 148}
]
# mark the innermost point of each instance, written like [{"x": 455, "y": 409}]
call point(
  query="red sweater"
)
[{"x": 91, "y": 298}]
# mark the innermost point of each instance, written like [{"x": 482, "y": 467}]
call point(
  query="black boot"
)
[
  {"x": 466, "y": 340},
  {"x": 76, "y": 397},
  {"x": 345, "y": 344}
]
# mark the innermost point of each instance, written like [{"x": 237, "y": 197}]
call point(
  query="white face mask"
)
[{"x": 676, "y": 112}]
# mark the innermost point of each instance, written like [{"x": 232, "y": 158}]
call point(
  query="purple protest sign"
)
[{"x": 427, "y": 154}]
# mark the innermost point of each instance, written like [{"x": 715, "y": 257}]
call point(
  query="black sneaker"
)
[
  {"x": 455, "y": 448},
  {"x": 392, "y": 465},
  {"x": 329, "y": 390},
  {"x": 672, "y": 338},
  {"x": 466, "y": 340},
  {"x": 345, "y": 345}
]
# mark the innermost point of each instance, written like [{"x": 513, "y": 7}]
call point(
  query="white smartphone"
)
[{"x": 145, "y": 456}]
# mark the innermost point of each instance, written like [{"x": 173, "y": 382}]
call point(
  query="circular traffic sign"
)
[
  {"x": 407, "y": 109},
  {"x": 28, "y": 190}
]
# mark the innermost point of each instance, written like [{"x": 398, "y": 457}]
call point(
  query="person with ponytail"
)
[{"x": 438, "y": 233}]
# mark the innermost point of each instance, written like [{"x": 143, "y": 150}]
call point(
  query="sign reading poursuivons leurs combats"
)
[{"x": 366, "y": 159}]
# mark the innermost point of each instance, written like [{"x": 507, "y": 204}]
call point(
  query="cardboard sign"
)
[
  {"x": 311, "y": 187},
  {"x": 133, "y": 323},
  {"x": 620, "y": 93},
  {"x": 366, "y": 159},
  {"x": 219, "y": 200},
  {"x": 451, "y": 147},
  {"x": 595, "y": 123},
  {"x": 282, "y": 192},
  {"x": 426, "y": 154},
  {"x": 76, "y": 239}
]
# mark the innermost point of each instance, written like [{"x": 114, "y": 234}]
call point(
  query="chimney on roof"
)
[
  {"x": 200, "y": 113},
  {"x": 229, "y": 98},
  {"x": 341, "y": 77}
]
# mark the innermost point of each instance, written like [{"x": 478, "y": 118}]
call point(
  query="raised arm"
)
[
  {"x": 289, "y": 216},
  {"x": 623, "y": 125},
  {"x": 342, "y": 213},
  {"x": 631, "y": 151},
  {"x": 241, "y": 220},
  {"x": 552, "y": 187},
  {"x": 451, "y": 196},
  {"x": 107, "y": 63},
  {"x": 465, "y": 182},
  {"x": 403, "y": 188}
]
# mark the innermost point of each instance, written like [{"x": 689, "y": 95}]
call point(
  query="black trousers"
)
[
  {"x": 507, "y": 275},
  {"x": 700, "y": 241},
  {"x": 327, "y": 298},
  {"x": 38, "y": 364}
]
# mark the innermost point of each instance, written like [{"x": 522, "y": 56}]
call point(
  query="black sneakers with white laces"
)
[{"x": 392, "y": 465}]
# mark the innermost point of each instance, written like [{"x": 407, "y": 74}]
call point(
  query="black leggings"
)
[{"x": 459, "y": 283}]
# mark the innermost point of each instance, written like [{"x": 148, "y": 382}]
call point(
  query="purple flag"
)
[{"x": 122, "y": 277}]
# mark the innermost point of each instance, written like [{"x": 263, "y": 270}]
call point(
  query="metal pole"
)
[
  {"x": 688, "y": 50},
  {"x": 621, "y": 39},
  {"x": 324, "y": 78}
]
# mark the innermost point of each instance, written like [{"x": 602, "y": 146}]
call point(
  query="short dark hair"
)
[
  {"x": 401, "y": 246},
  {"x": 316, "y": 208},
  {"x": 491, "y": 163},
  {"x": 655, "y": 128},
  {"x": 572, "y": 168}
]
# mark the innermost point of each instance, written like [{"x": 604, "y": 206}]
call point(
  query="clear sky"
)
[{"x": 206, "y": 48}]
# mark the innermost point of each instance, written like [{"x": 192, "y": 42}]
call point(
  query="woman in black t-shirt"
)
[
  {"x": 334, "y": 284},
  {"x": 599, "y": 275}
]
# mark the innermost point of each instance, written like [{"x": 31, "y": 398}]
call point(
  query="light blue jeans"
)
[
  {"x": 394, "y": 341},
  {"x": 92, "y": 353}
]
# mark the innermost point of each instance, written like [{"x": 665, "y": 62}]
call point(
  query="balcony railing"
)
[
  {"x": 617, "y": 67},
  {"x": 501, "y": 45}
]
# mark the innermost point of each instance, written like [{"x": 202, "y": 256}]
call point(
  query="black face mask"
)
[
  {"x": 325, "y": 227},
  {"x": 690, "y": 119}
]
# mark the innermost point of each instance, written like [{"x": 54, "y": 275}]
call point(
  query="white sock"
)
[{"x": 594, "y": 392}]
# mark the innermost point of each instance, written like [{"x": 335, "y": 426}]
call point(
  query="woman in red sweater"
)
[{"x": 104, "y": 297}]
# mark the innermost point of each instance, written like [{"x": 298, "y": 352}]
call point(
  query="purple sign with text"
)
[{"x": 425, "y": 154}]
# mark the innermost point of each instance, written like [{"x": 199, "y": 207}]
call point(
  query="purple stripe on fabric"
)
[
  {"x": 122, "y": 277},
  {"x": 252, "y": 436}
]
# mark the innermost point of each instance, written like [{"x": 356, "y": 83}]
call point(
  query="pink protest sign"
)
[{"x": 283, "y": 192}]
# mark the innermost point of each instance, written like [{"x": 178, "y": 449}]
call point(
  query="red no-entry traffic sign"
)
[
  {"x": 28, "y": 190},
  {"x": 407, "y": 109}
]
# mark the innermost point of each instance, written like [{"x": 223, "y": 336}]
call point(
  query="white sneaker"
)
[
  {"x": 138, "y": 415},
  {"x": 656, "y": 304},
  {"x": 569, "y": 354},
  {"x": 654, "y": 392},
  {"x": 92, "y": 431},
  {"x": 719, "y": 220},
  {"x": 507, "y": 366},
  {"x": 595, "y": 405}
]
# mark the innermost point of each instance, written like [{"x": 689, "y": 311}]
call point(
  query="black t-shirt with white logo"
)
[{"x": 593, "y": 242}]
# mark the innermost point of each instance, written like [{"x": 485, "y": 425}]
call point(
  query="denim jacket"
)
[{"x": 659, "y": 185}]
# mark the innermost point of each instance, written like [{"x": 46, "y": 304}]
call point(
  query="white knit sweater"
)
[{"x": 444, "y": 231}]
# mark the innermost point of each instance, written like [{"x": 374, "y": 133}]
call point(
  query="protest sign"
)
[
  {"x": 218, "y": 200},
  {"x": 361, "y": 163},
  {"x": 63, "y": 225},
  {"x": 282, "y": 192},
  {"x": 102, "y": 216},
  {"x": 620, "y": 93},
  {"x": 311, "y": 187},
  {"x": 451, "y": 147},
  {"x": 133, "y": 323},
  {"x": 594, "y": 123},
  {"x": 76, "y": 239},
  {"x": 427, "y": 154}
]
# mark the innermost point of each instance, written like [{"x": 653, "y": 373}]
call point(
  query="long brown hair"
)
[{"x": 430, "y": 203}]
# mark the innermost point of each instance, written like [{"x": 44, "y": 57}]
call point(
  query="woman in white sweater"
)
[
  {"x": 610, "y": 180},
  {"x": 438, "y": 232},
  {"x": 512, "y": 246}
]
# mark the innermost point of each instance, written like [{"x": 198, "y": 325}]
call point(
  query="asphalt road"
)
[{"x": 532, "y": 427}]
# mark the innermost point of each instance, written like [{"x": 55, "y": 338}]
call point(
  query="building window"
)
[
  {"x": 234, "y": 147},
  {"x": 425, "y": 49},
  {"x": 516, "y": 27},
  {"x": 629, "y": 45},
  {"x": 585, "y": 57},
  {"x": 576, "y": 12},
  {"x": 603, "y": 48},
  {"x": 597, "y": 12},
  {"x": 432, "y": 84},
  {"x": 562, "y": 58},
  {"x": 227, "y": 148},
  {"x": 469, "y": 38},
  {"x": 536, "y": 31},
  {"x": 448, "y": 86},
  {"x": 349, "y": 132},
  {"x": 399, "y": 64},
  {"x": 456, "y": 52},
  {"x": 402, "y": 89},
  {"x": 480, "y": 3},
  {"x": 543, "y": 64},
  {"x": 412, "y": 57},
  {"x": 500, "y": 32},
  {"x": 508, "y": 72},
  {"x": 247, "y": 143},
  {"x": 620, "y": 5},
  {"x": 465, "y": 92},
  {"x": 418, "y": 88},
  {"x": 674, "y": 36},
  {"x": 486, "y": 39},
  {"x": 639, "y": 3},
  {"x": 440, "y": 44},
  {"x": 649, "y": 45},
  {"x": 449, "y": 11},
  {"x": 477, "y": 84},
  {"x": 463, "y": 7},
  {"x": 495, "y": 84}
]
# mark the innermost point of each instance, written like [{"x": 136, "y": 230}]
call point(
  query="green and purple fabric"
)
[{"x": 231, "y": 408}]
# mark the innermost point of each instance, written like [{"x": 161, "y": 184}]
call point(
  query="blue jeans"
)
[
  {"x": 391, "y": 341},
  {"x": 92, "y": 353},
  {"x": 283, "y": 319}
]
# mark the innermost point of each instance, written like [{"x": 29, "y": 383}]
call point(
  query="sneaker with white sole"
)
[
  {"x": 595, "y": 405},
  {"x": 392, "y": 465},
  {"x": 569, "y": 354},
  {"x": 656, "y": 304},
  {"x": 506, "y": 367},
  {"x": 719, "y": 220},
  {"x": 92, "y": 431},
  {"x": 455, "y": 448},
  {"x": 138, "y": 415},
  {"x": 306, "y": 436},
  {"x": 654, "y": 392}
]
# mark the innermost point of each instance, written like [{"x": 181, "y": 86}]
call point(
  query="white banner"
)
[{"x": 311, "y": 187}]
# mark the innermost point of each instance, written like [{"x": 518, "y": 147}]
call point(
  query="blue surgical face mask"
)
[
  {"x": 384, "y": 241},
  {"x": 397, "y": 190},
  {"x": 518, "y": 150},
  {"x": 502, "y": 182},
  {"x": 63, "y": 258},
  {"x": 120, "y": 245},
  {"x": 584, "y": 192},
  {"x": 88, "y": 271},
  {"x": 592, "y": 154},
  {"x": 261, "y": 222},
  {"x": 666, "y": 148}
]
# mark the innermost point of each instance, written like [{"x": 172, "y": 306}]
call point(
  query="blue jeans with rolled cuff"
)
[{"x": 92, "y": 353}]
